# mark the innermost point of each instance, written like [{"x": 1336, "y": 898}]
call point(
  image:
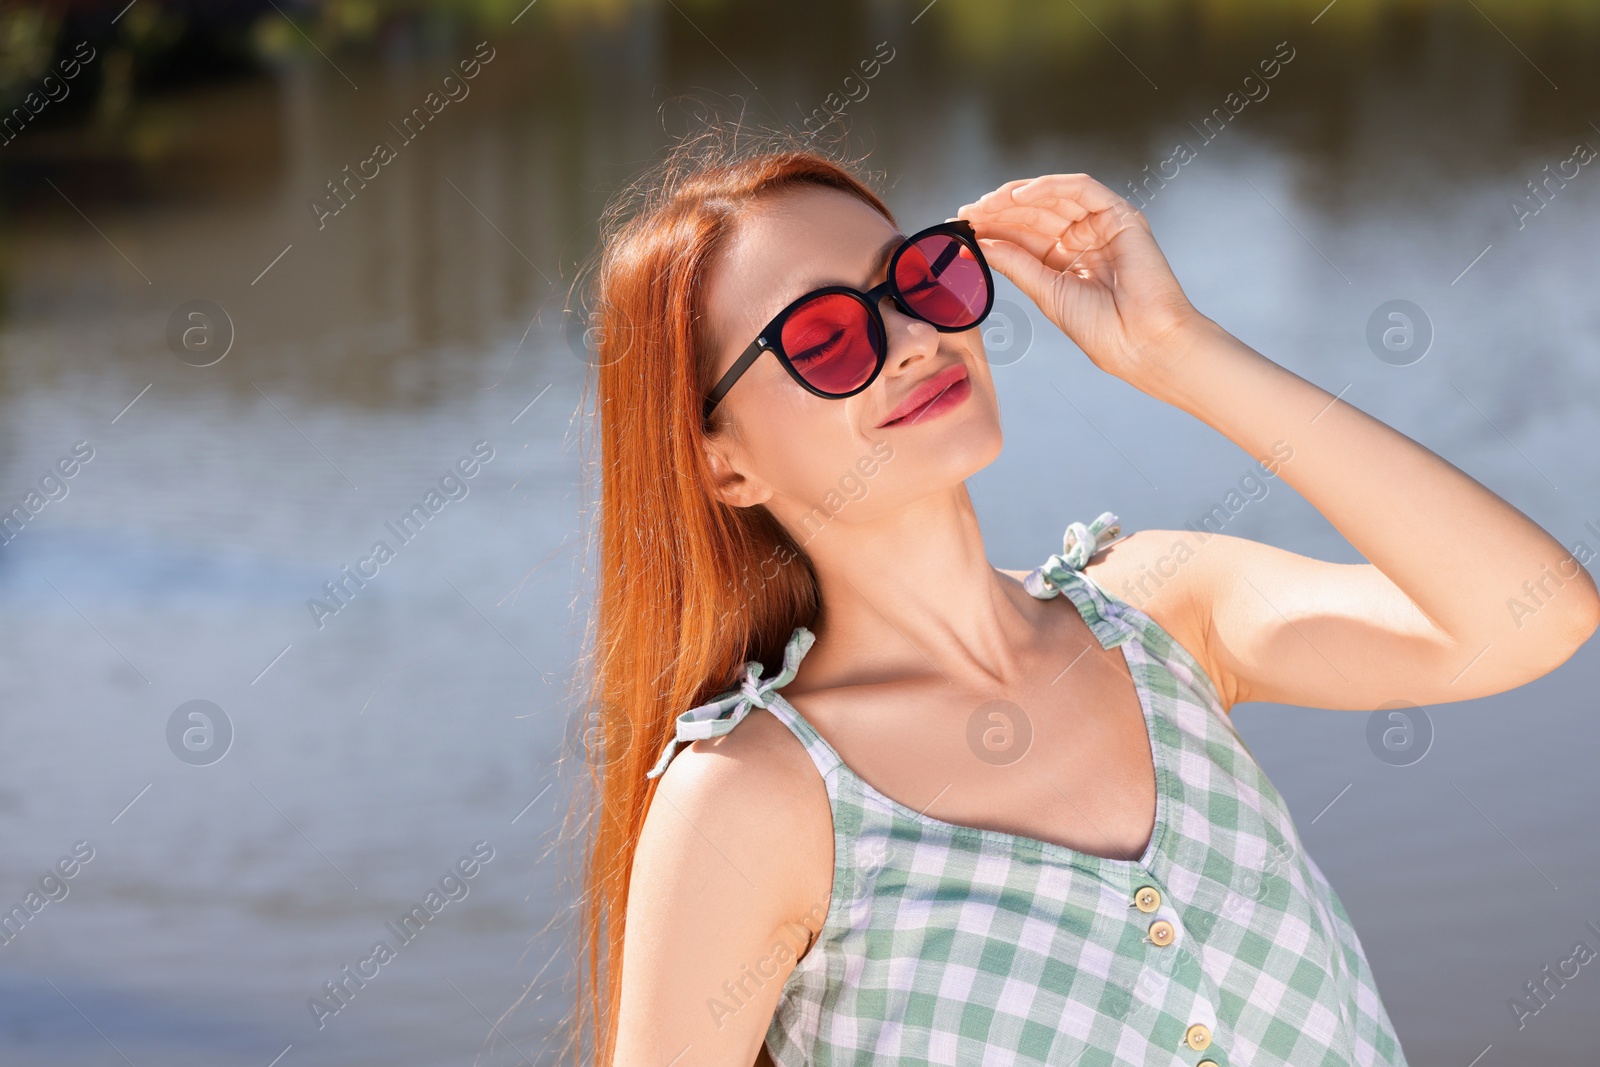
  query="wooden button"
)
[
  {"x": 1198, "y": 1037},
  {"x": 1206, "y": 1063},
  {"x": 1162, "y": 933},
  {"x": 1147, "y": 899}
]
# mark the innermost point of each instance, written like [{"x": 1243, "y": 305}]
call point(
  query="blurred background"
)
[{"x": 254, "y": 364}]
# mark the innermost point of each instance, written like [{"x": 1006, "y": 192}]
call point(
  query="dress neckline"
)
[
  {"x": 1008, "y": 841},
  {"x": 1060, "y": 574}
]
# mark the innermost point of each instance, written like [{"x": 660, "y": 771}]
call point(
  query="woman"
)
[{"x": 866, "y": 797}]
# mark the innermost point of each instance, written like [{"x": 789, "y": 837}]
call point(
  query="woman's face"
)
[{"x": 797, "y": 452}]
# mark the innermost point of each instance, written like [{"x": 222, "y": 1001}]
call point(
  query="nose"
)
[{"x": 909, "y": 338}]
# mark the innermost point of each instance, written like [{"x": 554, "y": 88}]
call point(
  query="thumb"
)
[{"x": 1023, "y": 268}]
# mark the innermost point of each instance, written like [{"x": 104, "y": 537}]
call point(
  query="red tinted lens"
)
[
  {"x": 831, "y": 341},
  {"x": 941, "y": 280}
]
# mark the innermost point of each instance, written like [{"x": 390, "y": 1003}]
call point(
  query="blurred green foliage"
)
[
  {"x": 147, "y": 36},
  {"x": 27, "y": 43}
]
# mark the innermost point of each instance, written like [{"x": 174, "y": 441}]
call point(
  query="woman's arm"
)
[
  {"x": 728, "y": 857},
  {"x": 1433, "y": 618},
  {"x": 1442, "y": 612}
]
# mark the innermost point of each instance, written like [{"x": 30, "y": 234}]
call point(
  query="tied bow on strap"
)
[
  {"x": 727, "y": 711},
  {"x": 1077, "y": 545}
]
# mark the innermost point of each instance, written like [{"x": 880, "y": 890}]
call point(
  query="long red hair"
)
[{"x": 688, "y": 588}]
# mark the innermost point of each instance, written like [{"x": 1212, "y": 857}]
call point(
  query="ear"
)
[{"x": 732, "y": 486}]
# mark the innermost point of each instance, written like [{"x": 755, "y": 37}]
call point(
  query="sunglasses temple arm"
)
[
  {"x": 951, "y": 251},
  {"x": 740, "y": 365}
]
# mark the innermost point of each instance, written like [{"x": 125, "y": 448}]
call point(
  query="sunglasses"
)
[{"x": 832, "y": 340}]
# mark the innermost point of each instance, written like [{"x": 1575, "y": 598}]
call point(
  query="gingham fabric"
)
[{"x": 947, "y": 944}]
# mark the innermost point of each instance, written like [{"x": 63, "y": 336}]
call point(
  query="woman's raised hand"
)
[{"x": 1087, "y": 258}]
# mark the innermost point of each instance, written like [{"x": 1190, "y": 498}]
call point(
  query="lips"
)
[{"x": 920, "y": 400}]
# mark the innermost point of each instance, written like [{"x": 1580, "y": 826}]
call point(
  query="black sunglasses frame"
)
[{"x": 770, "y": 339}]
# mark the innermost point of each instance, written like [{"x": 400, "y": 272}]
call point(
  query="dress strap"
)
[
  {"x": 1063, "y": 573},
  {"x": 727, "y": 711}
]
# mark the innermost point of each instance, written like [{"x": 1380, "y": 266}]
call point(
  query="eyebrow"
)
[
  {"x": 882, "y": 259},
  {"x": 880, "y": 262}
]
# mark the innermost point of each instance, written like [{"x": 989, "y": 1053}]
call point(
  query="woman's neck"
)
[{"x": 913, "y": 593}]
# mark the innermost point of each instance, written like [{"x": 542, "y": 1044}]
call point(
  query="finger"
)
[
  {"x": 990, "y": 198},
  {"x": 1000, "y": 201},
  {"x": 1006, "y": 188},
  {"x": 1044, "y": 220},
  {"x": 1101, "y": 228},
  {"x": 1062, "y": 253},
  {"x": 1056, "y": 241},
  {"x": 1039, "y": 245},
  {"x": 1107, "y": 224},
  {"x": 1093, "y": 231},
  {"x": 1079, "y": 189},
  {"x": 1069, "y": 195},
  {"x": 1119, "y": 210},
  {"x": 1020, "y": 265},
  {"x": 1003, "y": 199}
]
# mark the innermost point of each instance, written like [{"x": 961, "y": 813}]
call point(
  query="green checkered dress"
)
[{"x": 947, "y": 944}]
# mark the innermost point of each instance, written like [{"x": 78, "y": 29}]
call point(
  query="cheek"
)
[
  {"x": 804, "y": 445},
  {"x": 978, "y": 368}
]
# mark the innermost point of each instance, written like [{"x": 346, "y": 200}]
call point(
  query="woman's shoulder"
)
[
  {"x": 728, "y": 868},
  {"x": 751, "y": 799},
  {"x": 1147, "y": 569},
  {"x": 1151, "y": 570},
  {"x": 1167, "y": 575}
]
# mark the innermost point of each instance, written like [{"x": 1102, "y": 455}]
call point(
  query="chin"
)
[
  {"x": 966, "y": 448},
  {"x": 932, "y": 465},
  {"x": 974, "y": 451}
]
